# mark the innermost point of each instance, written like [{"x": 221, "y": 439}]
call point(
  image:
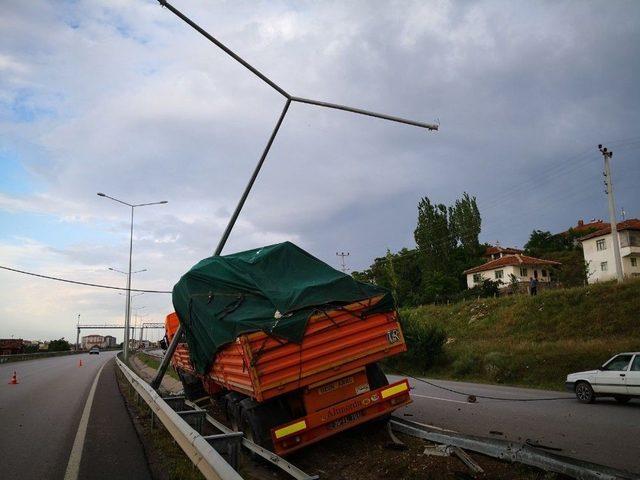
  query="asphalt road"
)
[
  {"x": 604, "y": 432},
  {"x": 40, "y": 418}
]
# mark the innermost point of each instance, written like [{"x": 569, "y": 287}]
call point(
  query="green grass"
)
[
  {"x": 154, "y": 363},
  {"x": 533, "y": 341}
]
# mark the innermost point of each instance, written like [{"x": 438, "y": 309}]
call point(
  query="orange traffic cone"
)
[
  {"x": 14, "y": 379},
  {"x": 80, "y": 363}
]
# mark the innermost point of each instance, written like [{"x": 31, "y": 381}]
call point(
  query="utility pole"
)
[
  {"x": 608, "y": 182},
  {"x": 342, "y": 262}
]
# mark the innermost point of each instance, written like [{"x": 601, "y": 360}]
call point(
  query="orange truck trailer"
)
[{"x": 287, "y": 393}]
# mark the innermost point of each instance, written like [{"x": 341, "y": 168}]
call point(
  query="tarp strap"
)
[
  {"x": 256, "y": 357},
  {"x": 231, "y": 307}
]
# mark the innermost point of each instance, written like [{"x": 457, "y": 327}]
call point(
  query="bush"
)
[
  {"x": 499, "y": 367},
  {"x": 425, "y": 344},
  {"x": 466, "y": 364}
]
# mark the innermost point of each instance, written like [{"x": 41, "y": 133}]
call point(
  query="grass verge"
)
[
  {"x": 154, "y": 363},
  {"x": 529, "y": 341}
]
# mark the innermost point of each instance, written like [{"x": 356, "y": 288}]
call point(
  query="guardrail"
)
[
  {"x": 210, "y": 463},
  {"x": 512, "y": 452},
  {"x": 19, "y": 357}
]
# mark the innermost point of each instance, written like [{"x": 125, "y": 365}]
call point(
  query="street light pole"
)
[{"x": 127, "y": 313}]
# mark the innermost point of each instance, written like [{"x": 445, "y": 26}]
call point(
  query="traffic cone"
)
[
  {"x": 14, "y": 379},
  {"x": 80, "y": 363}
]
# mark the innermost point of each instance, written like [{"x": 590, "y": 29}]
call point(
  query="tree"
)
[
  {"x": 60, "y": 345},
  {"x": 544, "y": 241},
  {"x": 434, "y": 236},
  {"x": 465, "y": 221}
]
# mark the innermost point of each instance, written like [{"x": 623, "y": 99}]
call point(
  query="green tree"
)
[
  {"x": 60, "y": 345},
  {"x": 543, "y": 241},
  {"x": 434, "y": 236},
  {"x": 465, "y": 224}
]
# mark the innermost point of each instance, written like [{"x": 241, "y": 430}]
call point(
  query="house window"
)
[
  {"x": 603, "y": 266},
  {"x": 544, "y": 273},
  {"x": 601, "y": 245},
  {"x": 634, "y": 262},
  {"x": 499, "y": 273},
  {"x": 523, "y": 271},
  {"x": 477, "y": 278}
]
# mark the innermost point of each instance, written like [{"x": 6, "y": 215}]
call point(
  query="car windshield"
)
[{"x": 617, "y": 364}]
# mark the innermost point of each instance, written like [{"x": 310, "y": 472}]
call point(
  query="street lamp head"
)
[
  {"x": 599, "y": 146},
  {"x": 100, "y": 194},
  {"x": 164, "y": 201}
]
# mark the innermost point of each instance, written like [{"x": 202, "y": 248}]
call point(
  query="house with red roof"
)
[
  {"x": 494, "y": 252},
  {"x": 597, "y": 248},
  {"x": 511, "y": 266}
]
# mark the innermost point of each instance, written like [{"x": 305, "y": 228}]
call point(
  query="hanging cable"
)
[
  {"x": 76, "y": 282},
  {"x": 471, "y": 396}
]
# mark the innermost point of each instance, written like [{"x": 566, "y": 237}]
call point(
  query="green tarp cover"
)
[{"x": 274, "y": 289}]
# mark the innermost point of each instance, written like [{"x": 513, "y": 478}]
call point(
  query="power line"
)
[{"x": 76, "y": 282}]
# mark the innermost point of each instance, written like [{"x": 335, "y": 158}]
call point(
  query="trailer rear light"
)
[
  {"x": 394, "y": 390},
  {"x": 289, "y": 429}
]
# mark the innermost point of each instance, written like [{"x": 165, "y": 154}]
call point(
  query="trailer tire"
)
[
  {"x": 193, "y": 389},
  {"x": 256, "y": 420},
  {"x": 377, "y": 379},
  {"x": 232, "y": 409},
  {"x": 376, "y": 376}
]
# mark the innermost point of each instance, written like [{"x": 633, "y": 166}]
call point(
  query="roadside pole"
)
[
  {"x": 155, "y": 383},
  {"x": 607, "y": 154}
]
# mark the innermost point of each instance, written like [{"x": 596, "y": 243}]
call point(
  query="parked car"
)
[
  {"x": 619, "y": 378},
  {"x": 95, "y": 350}
]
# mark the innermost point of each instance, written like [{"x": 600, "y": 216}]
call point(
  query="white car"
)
[{"x": 618, "y": 378}]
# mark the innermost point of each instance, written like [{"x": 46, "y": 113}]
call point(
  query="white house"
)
[
  {"x": 522, "y": 267},
  {"x": 598, "y": 252}
]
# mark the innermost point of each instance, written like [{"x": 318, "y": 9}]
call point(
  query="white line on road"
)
[
  {"x": 438, "y": 398},
  {"x": 73, "y": 466}
]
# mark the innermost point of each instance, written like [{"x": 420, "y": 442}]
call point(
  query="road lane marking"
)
[
  {"x": 438, "y": 398},
  {"x": 73, "y": 466}
]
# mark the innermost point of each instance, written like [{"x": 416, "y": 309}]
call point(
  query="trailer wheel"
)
[
  {"x": 232, "y": 409},
  {"x": 256, "y": 421},
  {"x": 377, "y": 379},
  {"x": 193, "y": 389},
  {"x": 376, "y": 376}
]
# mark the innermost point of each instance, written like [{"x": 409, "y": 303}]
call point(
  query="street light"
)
[{"x": 127, "y": 313}]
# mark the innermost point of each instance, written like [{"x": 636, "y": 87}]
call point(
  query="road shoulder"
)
[{"x": 112, "y": 448}]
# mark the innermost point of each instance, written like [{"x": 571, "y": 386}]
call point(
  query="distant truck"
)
[{"x": 286, "y": 393}]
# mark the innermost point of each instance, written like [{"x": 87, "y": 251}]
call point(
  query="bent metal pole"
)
[
  {"x": 290, "y": 98},
  {"x": 162, "y": 368}
]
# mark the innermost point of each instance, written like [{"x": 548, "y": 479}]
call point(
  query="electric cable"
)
[
  {"x": 473, "y": 395},
  {"x": 76, "y": 282}
]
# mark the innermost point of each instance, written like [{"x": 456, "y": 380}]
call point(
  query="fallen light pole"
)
[{"x": 289, "y": 99}]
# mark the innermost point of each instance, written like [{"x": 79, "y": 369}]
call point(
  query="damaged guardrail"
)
[
  {"x": 198, "y": 448},
  {"x": 512, "y": 452}
]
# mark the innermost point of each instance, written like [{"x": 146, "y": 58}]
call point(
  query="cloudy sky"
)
[{"x": 122, "y": 97}]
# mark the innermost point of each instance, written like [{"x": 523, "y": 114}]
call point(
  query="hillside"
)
[{"x": 524, "y": 340}]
